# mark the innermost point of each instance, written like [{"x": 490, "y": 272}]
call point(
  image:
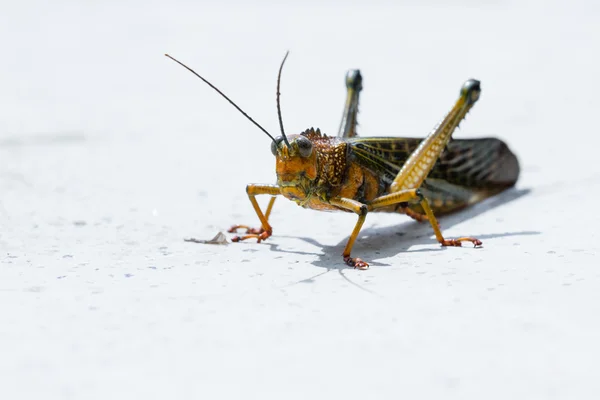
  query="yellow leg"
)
[
  {"x": 265, "y": 230},
  {"x": 438, "y": 233},
  {"x": 361, "y": 210},
  {"x": 391, "y": 199},
  {"x": 248, "y": 228},
  {"x": 414, "y": 194},
  {"x": 384, "y": 201},
  {"x": 416, "y": 168},
  {"x": 270, "y": 207}
]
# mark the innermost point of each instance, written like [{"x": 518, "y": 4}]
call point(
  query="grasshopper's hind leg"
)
[
  {"x": 349, "y": 117},
  {"x": 418, "y": 165},
  {"x": 438, "y": 233},
  {"x": 411, "y": 195},
  {"x": 265, "y": 230}
]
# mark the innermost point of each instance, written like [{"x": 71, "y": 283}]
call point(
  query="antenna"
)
[
  {"x": 278, "y": 103},
  {"x": 227, "y": 98}
]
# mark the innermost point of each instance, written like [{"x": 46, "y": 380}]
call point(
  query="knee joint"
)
[
  {"x": 419, "y": 194},
  {"x": 363, "y": 210}
]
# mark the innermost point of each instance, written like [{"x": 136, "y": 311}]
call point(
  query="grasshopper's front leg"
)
[{"x": 265, "y": 230}]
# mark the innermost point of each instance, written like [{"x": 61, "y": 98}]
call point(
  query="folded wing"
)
[{"x": 468, "y": 170}]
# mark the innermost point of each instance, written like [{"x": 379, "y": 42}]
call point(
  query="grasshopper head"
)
[{"x": 296, "y": 166}]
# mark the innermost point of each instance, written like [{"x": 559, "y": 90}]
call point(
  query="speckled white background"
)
[{"x": 111, "y": 154}]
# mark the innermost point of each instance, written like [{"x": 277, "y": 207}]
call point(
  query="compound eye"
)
[
  {"x": 275, "y": 145},
  {"x": 304, "y": 146}
]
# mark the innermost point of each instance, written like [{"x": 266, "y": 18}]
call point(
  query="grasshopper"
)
[{"x": 412, "y": 176}]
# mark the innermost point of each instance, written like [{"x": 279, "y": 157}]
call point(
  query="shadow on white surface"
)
[{"x": 386, "y": 242}]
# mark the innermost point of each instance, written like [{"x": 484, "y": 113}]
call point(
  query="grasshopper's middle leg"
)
[
  {"x": 362, "y": 211},
  {"x": 265, "y": 230}
]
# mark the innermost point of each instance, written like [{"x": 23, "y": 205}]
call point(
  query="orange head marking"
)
[{"x": 296, "y": 167}]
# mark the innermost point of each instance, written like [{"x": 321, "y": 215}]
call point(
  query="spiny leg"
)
[
  {"x": 438, "y": 233},
  {"x": 419, "y": 164},
  {"x": 361, "y": 210},
  {"x": 266, "y": 230},
  {"x": 349, "y": 117},
  {"x": 415, "y": 194},
  {"x": 423, "y": 158}
]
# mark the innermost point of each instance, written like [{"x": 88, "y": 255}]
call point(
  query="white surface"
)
[{"x": 111, "y": 154}]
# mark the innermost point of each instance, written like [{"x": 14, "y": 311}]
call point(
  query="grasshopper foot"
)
[
  {"x": 356, "y": 262},
  {"x": 253, "y": 231},
  {"x": 458, "y": 242},
  {"x": 259, "y": 237}
]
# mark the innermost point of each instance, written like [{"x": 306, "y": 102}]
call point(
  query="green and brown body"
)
[
  {"x": 363, "y": 169},
  {"x": 416, "y": 177}
]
